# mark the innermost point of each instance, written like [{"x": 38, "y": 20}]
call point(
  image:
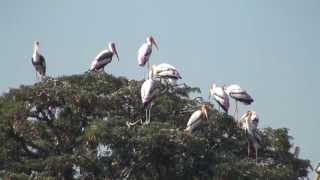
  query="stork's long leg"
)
[
  {"x": 147, "y": 71},
  {"x": 256, "y": 151},
  {"x": 146, "y": 115},
  {"x": 249, "y": 151},
  {"x": 37, "y": 76},
  {"x": 41, "y": 77},
  {"x": 237, "y": 106},
  {"x": 236, "y": 112},
  {"x": 149, "y": 115}
]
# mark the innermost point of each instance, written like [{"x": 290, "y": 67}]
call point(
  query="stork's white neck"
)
[
  {"x": 149, "y": 42},
  {"x": 110, "y": 48},
  {"x": 36, "y": 49},
  {"x": 35, "y": 53}
]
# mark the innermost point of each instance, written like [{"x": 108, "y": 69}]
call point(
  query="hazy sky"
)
[{"x": 269, "y": 47}]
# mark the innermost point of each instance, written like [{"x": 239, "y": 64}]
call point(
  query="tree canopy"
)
[{"x": 76, "y": 127}]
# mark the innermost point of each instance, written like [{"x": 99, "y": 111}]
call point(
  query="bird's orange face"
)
[
  {"x": 36, "y": 46},
  {"x": 204, "y": 111}
]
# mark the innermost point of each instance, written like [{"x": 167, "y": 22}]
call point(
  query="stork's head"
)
[
  {"x": 36, "y": 46},
  {"x": 151, "y": 41},
  {"x": 112, "y": 48},
  {"x": 204, "y": 110},
  {"x": 36, "y": 43}
]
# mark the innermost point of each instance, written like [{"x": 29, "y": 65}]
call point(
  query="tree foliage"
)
[{"x": 75, "y": 127}]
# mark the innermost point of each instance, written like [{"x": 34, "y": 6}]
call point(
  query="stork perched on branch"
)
[
  {"x": 147, "y": 94},
  {"x": 145, "y": 51},
  {"x": 250, "y": 121},
  {"x": 38, "y": 61},
  {"x": 196, "y": 118},
  {"x": 220, "y": 97},
  {"x": 238, "y": 94},
  {"x": 104, "y": 57},
  {"x": 164, "y": 71}
]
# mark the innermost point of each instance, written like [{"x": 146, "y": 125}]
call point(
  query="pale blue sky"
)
[{"x": 269, "y": 47}]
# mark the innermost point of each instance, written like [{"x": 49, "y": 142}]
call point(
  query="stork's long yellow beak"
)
[
  {"x": 204, "y": 111},
  {"x": 116, "y": 52},
  {"x": 206, "y": 114},
  {"x": 154, "y": 43}
]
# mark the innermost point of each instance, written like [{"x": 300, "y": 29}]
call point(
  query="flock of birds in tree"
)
[{"x": 249, "y": 121}]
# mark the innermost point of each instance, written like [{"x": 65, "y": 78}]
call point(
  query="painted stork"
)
[
  {"x": 250, "y": 121},
  {"x": 164, "y": 71},
  {"x": 38, "y": 61},
  {"x": 147, "y": 95},
  {"x": 220, "y": 97},
  {"x": 104, "y": 57},
  {"x": 196, "y": 118},
  {"x": 145, "y": 51},
  {"x": 238, "y": 94}
]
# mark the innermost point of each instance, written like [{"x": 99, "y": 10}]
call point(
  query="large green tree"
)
[{"x": 77, "y": 127}]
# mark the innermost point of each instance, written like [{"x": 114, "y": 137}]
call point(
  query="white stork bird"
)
[
  {"x": 196, "y": 118},
  {"x": 147, "y": 95},
  {"x": 220, "y": 97},
  {"x": 250, "y": 121},
  {"x": 38, "y": 61},
  {"x": 104, "y": 57},
  {"x": 145, "y": 51},
  {"x": 165, "y": 71},
  {"x": 238, "y": 94}
]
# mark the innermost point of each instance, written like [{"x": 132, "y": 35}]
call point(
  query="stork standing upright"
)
[
  {"x": 145, "y": 51},
  {"x": 238, "y": 94},
  {"x": 104, "y": 57},
  {"x": 147, "y": 95},
  {"x": 250, "y": 121},
  {"x": 38, "y": 61},
  {"x": 196, "y": 118},
  {"x": 220, "y": 97},
  {"x": 164, "y": 71}
]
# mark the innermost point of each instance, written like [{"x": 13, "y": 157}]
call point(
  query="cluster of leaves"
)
[{"x": 76, "y": 127}]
